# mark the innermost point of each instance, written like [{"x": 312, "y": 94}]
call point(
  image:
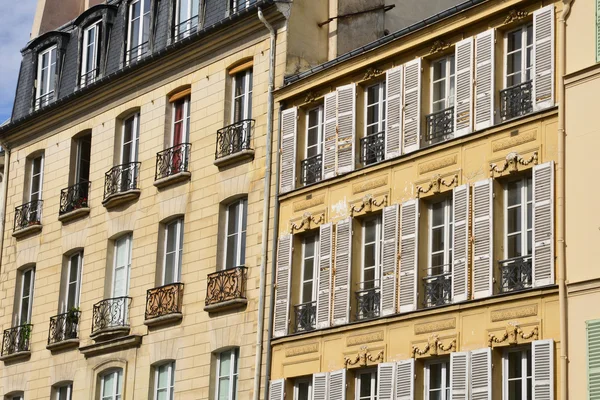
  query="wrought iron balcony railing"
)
[
  {"x": 137, "y": 52},
  {"x": 438, "y": 287},
  {"x": 88, "y": 78},
  {"x": 16, "y": 339},
  {"x": 74, "y": 197},
  {"x": 368, "y": 300},
  {"x": 234, "y": 138},
  {"x": 64, "y": 327},
  {"x": 121, "y": 178},
  {"x": 516, "y": 100},
  {"x": 515, "y": 274},
  {"x": 44, "y": 99},
  {"x": 306, "y": 316},
  {"x": 28, "y": 214},
  {"x": 172, "y": 161},
  {"x": 228, "y": 284},
  {"x": 164, "y": 300},
  {"x": 312, "y": 169},
  {"x": 440, "y": 126},
  {"x": 372, "y": 148},
  {"x": 111, "y": 313},
  {"x": 186, "y": 28}
]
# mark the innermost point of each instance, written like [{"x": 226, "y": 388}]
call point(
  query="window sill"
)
[
  {"x": 109, "y": 333},
  {"x": 62, "y": 345},
  {"x": 172, "y": 179},
  {"x": 30, "y": 230},
  {"x": 121, "y": 198},
  {"x": 73, "y": 215},
  {"x": 164, "y": 319},
  {"x": 226, "y": 305},
  {"x": 19, "y": 355},
  {"x": 111, "y": 346},
  {"x": 240, "y": 156}
]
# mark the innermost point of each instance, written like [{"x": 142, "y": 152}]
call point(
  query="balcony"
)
[
  {"x": 185, "y": 28},
  {"x": 137, "y": 53},
  {"x": 233, "y": 143},
  {"x": 437, "y": 287},
  {"x": 88, "y": 78},
  {"x": 440, "y": 126},
  {"x": 172, "y": 165},
  {"x": 226, "y": 289},
  {"x": 74, "y": 202},
  {"x": 515, "y": 274},
  {"x": 121, "y": 184},
  {"x": 312, "y": 169},
  {"x": 28, "y": 219},
  {"x": 305, "y": 316},
  {"x": 63, "y": 330},
  {"x": 368, "y": 300},
  {"x": 372, "y": 148},
  {"x": 163, "y": 304},
  {"x": 16, "y": 343},
  {"x": 516, "y": 101},
  {"x": 110, "y": 318},
  {"x": 44, "y": 100}
]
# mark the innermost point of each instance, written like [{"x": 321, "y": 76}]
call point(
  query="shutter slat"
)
[
  {"x": 320, "y": 386},
  {"x": 543, "y": 224},
  {"x": 288, "y": 149},
  {"x": 405, "y": 379},
  {"x": 346, "y": 98},
  {"x": 277, "y": 390},
  {"x": 343, "y": 253},
  {"x": 411, "y": 119},
  {"x": 282, "y": 295},
  {"x": 593, "y": 358},
  {"x": 480, "y": 377},
  {"x": 385, "y": 378},
  {"x": 324, "y": 285},
  {"x": 337, "y": 385},
  {"x": 464, "y": 87},
  {"x": 542, "y": 355},
  {"x": 393, "y": 131},
  {"x": 389, "y": 257},
  {"x": 459, "y": 375},
  {"x": 483, "y": 201},
  {"x": 460, "y": 243},
  {"x": 484, "y": 79},
  {"x": 597, "y": 30},
  {"x": 409, "y": 228},
  {"x": 329, "y": 135},
  {"x": 543, "y": 57}
]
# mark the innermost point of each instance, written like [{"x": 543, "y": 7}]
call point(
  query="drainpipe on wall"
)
[
  {"x": 266, "y": 206},
  {"x": 3, "y": 207}
]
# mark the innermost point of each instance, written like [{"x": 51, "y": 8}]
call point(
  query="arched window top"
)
[
  {"x": 179, "y": 93},
  {"x": 240, "y": 65},
  {"x": 128, "y": 113},
  {"x": 46, "y": 40},
  {"x": 97, "y": 12}
]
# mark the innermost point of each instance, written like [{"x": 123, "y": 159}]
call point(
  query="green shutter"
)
[
  {"x": 597, "y": 30},
  {"x": 593, "y": 359}
]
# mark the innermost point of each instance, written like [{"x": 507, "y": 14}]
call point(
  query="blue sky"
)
[{"x": 16, "y": 19}]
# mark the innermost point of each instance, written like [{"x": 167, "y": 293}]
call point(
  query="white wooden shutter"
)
[
  {"x": 483, "y": 201},
  {"x": 288, "y": 149},
  {"x": 593, "y": 358},
  {"x": 320, "y": 386},
  {"x": 409, "y": 228},
  {"x": 480, "y": 377},
  {"x": 459, "y": 375},
  {"x": 324, "y": 285},
  {"x": 463, "y": 116},
  {"x": 385, "y": 380},
  {"x": 597, "y": 30},
  {"x": 337, "y": 385},
  {"x": 343, "y": 263},
  {"x": 277, "y": 390},
  {"x": 484, "y": 79},
  {"x": 393, "y": 129},
  {"x": 543, "y": 57},
  {"x": 460, "y": 243},
  {"x": 411, "y": 117},
  {"x": 330, "y": 135},
  {"x": 346, "y": 102},
  {"x": 282, "y": 297},
  {"x": 389, "y": 258},
  {"x": 542, "y": 356},
  {"x": 543, "y": 224},
  {"x": 405, "y": 379}
]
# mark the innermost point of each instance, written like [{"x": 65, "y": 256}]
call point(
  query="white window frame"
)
[
  {"x": 33, "y": 174},
  {"x": 178, "y": 250},
  {"x": 69, "y": 387},
  {"x": 23, "y": 321},
  {"x": 189, "y": 16},
  {"x": 85, "y": 52},
  {"x": 247, "y": 93},
  {"x": 523, "y": 204},
  {"x": 128, "y": 244},
  {"x": 297, "y": 383},
  {"x": 523, "y": 50},
  {"x": 448, "y": 79},
  {"x": 232, "y": 374},
  {"x": 140, "y": 33},
  {"x": 381, "y": 103},
  {"x": 117, "y": 391},
  {"x": 377, "y": 243},
  {"x": 374, "y": 383},
  {"x": 185, "y": 121},
  {"x": 170, "y": 388},
  {"x": 43, "y": 91},
  {"x": 315, "y": 258},
  {"x": 445, "y": 385},
  {"x": 526, "y": 374},
  {"x": 243, "y": 204},
  {"x": 319, "y": 126},
  {"x": 447, "y": 226},
  {"x": 135, "y": 138},
  {"x": 77, "y": 282}
]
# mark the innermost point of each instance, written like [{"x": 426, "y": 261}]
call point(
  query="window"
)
[
  {"x": 518, "y": 218},
  {"x": 440, "y": 237},
  {"x": 37, "y": 173},
  {"x": 139, "y": 29},
  {"x": 519, "y": 55},
  {"x": 111, "y": 385},
  {"x": 26, "y": 296},
  {"x": 242, "y": 96},
  {"x": 303, "y": 389},
  {"x": 73, "y": 286},
  {"x": 18, "y": 396},
  {"x": 186, "y": 18},
  {"x": 314, "y": 131},
  {"x": 371, "y": 233},
  {"x": 90, "y": 59},
  {"x": 181, "y": 121},
  {"x": 366, "y": 385},
  {"x": 130, "y": 139},
  {"x": 121, "y": 266},
  {"x": 517, "y": 374},
  {"x": 442, "y": 84},
  {"x": 173, "y": 252},
  {"x": 309, "y": 261},
  {"x": 235, "y": 244},
  {"x": 82, "y": 166},
  {"x": 46, "y": 77},
  {"x": 164, "y": 381},
  {"x": 238, "y": 5},
  {"x": 63, "y": 392},
  {"x": 437, "y": 380},
  {"x": 375, "y": 108},
  {"x": 227, "y": 374}
]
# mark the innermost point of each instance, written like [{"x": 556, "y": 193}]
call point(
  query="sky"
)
[{"x": 16, "y": 19}]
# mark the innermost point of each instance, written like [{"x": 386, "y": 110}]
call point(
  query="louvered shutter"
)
[
  {"x": 460, "y": 243},
  {"x": 480, "y": 377},
  {"x": 385, "y": 379},
  {"x": 459, "y": 375},
  {"x": 484, "y": 79},
  {"x": 288, "y": 149},
  {"x": 324, "y": 285},
  {"x": 320, "y": 385},
  {"x": 389, "y": 258},
  {"x": 543, "y": 224},
  {"x": 282, "y": 297},
  {"x": 405, "y": 379},
  {"x": 277, "y": 390},
  {"x": 597, "y": 30},
  {"x": 337, "y": 385},
  {"x": 593, "y": 358},
  {"x": 543, "y": 57},
  {"x": 330, "y": 135},
  {"x": 346, "y": 98},
  {"x": 411, "y": 118},
  {"x": 483, "y": 232},
  {"x": 463, "y": 119},
  {"x": 393, "y": 104},
  {"x": 343, "y": 262},
  {"x": 542, "y": 357},
  {"x": 409, "y": 228}
]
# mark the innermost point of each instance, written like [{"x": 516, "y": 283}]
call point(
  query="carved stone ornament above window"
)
[
  {"x": 513, "y": 160},
  {"x": 307, "y": 222},
  {"x": 362, "y": 358},
  {"x": 368, "y": 204},
  {"x": 310, "y": 97},
  {"x": 515, "y": 15},
  {"x": 514, "y": 335},
  {"x": 435, "y": 185},
  {"x": 438, "y": 45},
  {"x": 433, "y": 346},
  {"x": 371, "y": 73}
]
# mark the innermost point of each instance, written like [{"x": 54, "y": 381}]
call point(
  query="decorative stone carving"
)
[
  {"x": 372, "y": 72},
  {"x": 369, "y": 185},
  {"x": 363, "y": 357},
  {"x": 362, "y": 339},
  {"x": 513, "y": 313},
  {"x": 435, "y": 326},
  {"x": 513, "y": 160},
  {"x": 310, "y": 97},
  {"x": 515, "y": 15},
  {"x": 513, "y": 141},
  {"x": 437, "y": 164},
  {"x": 434, "y": 344},
  {"x": 304, "y": 204},
  {"x": 306, "y": 221},
  {"x": 438, "y": 45},
  {"x": 367, "y": 204},
  {"x": 436, "y": 183},
  {"x": 512, "y": 335},
  {"x": 299, "y": 350}
]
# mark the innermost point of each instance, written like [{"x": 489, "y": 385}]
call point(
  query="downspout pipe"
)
[
  {"x": 4, "y": 201},
  {"x": 266, "y": 207}
]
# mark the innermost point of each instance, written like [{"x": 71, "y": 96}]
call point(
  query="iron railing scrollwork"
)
[
  {"x": 28, "y": 214},
  {"x": 437, "y": 288},
  {"x": 74, "y": 197},
  {"x": 64, "y": 327},
  {"x": 16, "y": 339},
  {"x": 440, "y": 126},
  {"x": 516, "y": 100},
  {"x": 44, "y": 99},
  {"x": 368, "y": 300},
  {"x": 186, "y": 28},
  {"x": 225, "y": 285},
  {"x": 515, "y": 274},
  {"x": 121, "y": 178},
  {"x": 312, "y": 169},
  {"x": 306, "y": 316},
  {"x": 372, "y": 148},
  {"x": 234, "y": 138},
  {"x": 172, "y": 161},
  {"x": 164, "y": 300},
  {"x": 111, "y": 313}
]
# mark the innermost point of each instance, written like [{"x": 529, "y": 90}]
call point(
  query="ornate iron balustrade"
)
[
  {"x": 28, "y": 214},
  {"x": 186, "y": 28},
  {"x": 225, "y": 285},
  {"x": 16, "y": 339},
  {"x": 306, "y": 316},
  {"x": 164, "y": 300},
  {"x": 516, "y": 100},
  {"x": 440, "y": 126},
  {"x": 64, "y": 327},
  {"x": 121, "y": 178},
  {"x": 44, "y": 99},
  {"x": 88, "y": 78},
  {"x": 137, "y": 52},
  {"x": 368, "y": 300},
  {"x": 234, "y": 138},
  {"x": 74, "y": 197},
  {"x": 312, "y": 169},
  {"x": 515, "y": 274},
  {"x": 111, "y": 313},
  {"x": 437, "y": 288},
  {"x": 172, "y": 161},
  {"x": 372, "y": 148}
]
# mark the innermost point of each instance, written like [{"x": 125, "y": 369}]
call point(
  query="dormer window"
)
[
  {"x": 186, "y": 18},
  {"x": 90, "y": 55},
  {"x": 46, "y": 77},
  {"x": 138, "y": 37}
]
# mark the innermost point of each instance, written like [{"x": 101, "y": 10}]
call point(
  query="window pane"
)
[
  {"x": 514, "y": 390},
  {"x": 437, "y": 239},
  {"x": 514, "y": 193},
  {"x": 308, "y": 269},
  {"x": 224, "y": 389},
  {"x": 513, "y": 63},
  {"x": 439, "y": 91},
  {"x": 303, "y": 391},
  {"x": 108, "y": 386},
  {"x": 233, "y": 218},
  {"x": 307, "y": 291},
  {"x": 439, "y": 70},
  {"x": 231, "y": 252},
  {"x": 514, "y": 40},
  {"x": 514, "y": 246},
  {"x": 370, "y": 233},
  {"x": 514, "y": 365},
  {"x": 529, "y": 35},
  {"x": 171, "y": 236},
  {"x": 365, "y": 385},
  {"x": 435, "y": 376},
  {"x": 370, "y": 275},
  {"x": 513, "y": 219}
]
